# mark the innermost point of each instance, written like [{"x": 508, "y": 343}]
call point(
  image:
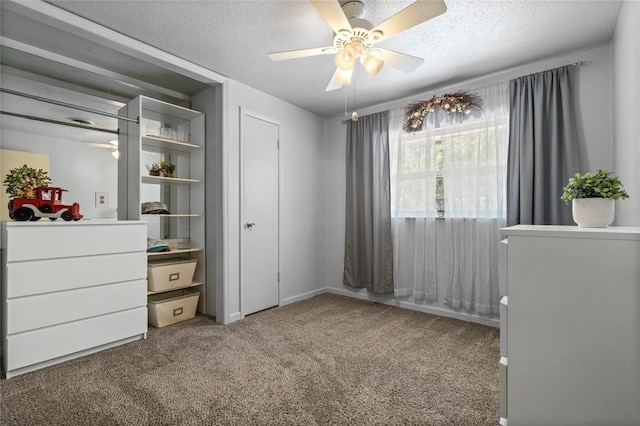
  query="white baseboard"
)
[
  {"x": 434, "y": 310},
  {"x": 363, "y": 295},
  {"x": 303, "y": 296},
  {"x": 236, "y": 316}
]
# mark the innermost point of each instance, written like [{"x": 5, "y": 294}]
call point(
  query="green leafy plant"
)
[
  {"x": 24, "y": 181},
  {"x": 601, "y": 184},
  {"x": 153, "y": 167},
  {"x": 167, "y": 169}
]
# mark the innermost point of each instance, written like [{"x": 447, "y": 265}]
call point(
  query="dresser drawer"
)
[
  {"x": 47, "y": 276},
  {"x": 502, "y": 267},
  {"x": 53, "y": 240},
  {"x": 45, "y": 344},
  {"x": 503, "y": 388},
  {"x": 34, "y": 312},
  {"x": 504, "y": 307}
]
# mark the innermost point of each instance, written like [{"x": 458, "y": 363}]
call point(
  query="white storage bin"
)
[
  {"x": 172, "y": 273},
  {"x": 172, "y": 307}
]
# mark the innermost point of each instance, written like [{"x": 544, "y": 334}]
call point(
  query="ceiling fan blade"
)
[
  {"x": 412, "y": 15},
  {"x": 293, "y": 54},
  {"x": 400, "y": 61},
  {"x": 332, "y": 12},
  {"x": 334, "y": 84},
  {"x": 100, "y": 145}
]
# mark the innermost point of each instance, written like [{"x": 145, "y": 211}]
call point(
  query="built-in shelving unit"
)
[{"x": 183, "y": 194}]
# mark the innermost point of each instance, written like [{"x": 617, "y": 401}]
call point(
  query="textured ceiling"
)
[{"x": 472, "y": 38}]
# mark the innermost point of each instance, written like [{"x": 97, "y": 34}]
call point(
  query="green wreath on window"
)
[{"x": 460, "y": 103}]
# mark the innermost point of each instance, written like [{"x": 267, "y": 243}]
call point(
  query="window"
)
[{"x": 457, "y": 170}]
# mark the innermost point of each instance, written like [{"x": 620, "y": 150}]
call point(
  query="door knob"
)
[{"x": 250, "y": 224}]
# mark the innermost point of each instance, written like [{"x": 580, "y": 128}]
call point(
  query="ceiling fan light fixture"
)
[
  {"x": 346, "y": 58},
  {"x": 344, "y": 76},
  {"x": 372, "y": 64},
  {"x": 357, "y": 46}
]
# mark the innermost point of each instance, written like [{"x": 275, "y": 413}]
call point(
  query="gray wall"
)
[
  {"x": 626, "y": 111},
  {"x": 303, "y": 196}
]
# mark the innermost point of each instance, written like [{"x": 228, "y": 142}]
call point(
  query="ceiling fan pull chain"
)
[
  {"x": 345, "y": 101},
  {"x": 354, "y": 114}
]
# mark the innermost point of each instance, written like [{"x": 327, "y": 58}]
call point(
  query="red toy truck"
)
[{"x": 47, "y": 204}]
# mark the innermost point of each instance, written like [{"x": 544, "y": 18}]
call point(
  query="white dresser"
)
[
  {"x": 570, "y": 326},
  {"x": 69, "y": 289}
]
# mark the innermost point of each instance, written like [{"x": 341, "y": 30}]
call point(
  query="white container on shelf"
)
[
  {"x": 170, "y": 273},
  {"x": 172, "y": 307}
]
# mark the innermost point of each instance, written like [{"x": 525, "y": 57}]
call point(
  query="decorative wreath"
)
[{"x": 458, "y": 103}]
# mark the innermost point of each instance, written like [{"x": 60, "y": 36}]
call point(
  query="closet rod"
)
[
  {"x": 64, "y": 123},
  {"x": 64, "y": 104}
]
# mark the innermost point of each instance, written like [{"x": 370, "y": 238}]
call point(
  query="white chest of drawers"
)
[
  {"x": 570, "y": 328},
  {"x": 69, "y": 289}
]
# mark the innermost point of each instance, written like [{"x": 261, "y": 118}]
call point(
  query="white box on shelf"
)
[
  {"x": 172, "y": 307},
  {"x": 170, "y": 273}
]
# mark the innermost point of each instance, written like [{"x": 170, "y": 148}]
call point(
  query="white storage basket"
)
[
  {"x": 172, "y": 307},
  {"x": 169, "y": 274}
]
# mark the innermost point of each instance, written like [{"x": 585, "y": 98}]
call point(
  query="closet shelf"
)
[
  {"x": 158, "y": 180},
  {"x": 143, "y": 216},
  {"x": 173, "y": 252},
  {"x": 193, "y": 284},
  {"x": 155, "y": 143}
]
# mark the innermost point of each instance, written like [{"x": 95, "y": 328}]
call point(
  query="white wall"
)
[
  {"x": 81, "y": 169},
  {"x": 303, "y": 196},
  {"x": 593, "y": 100},
  {"x": 626, "y": 111}
]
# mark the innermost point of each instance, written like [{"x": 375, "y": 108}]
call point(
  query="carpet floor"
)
[{"x": 327, "y": 360}]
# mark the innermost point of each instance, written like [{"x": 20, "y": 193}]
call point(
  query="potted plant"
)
[
  {"x": 592, "y": 196},
  {"x": 154, "y": 169},
  {"x": 24, "y": 181},
  {"x": 167, "y": 168}
]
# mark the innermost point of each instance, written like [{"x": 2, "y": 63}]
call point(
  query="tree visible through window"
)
[{"x": 450, "y": 171}]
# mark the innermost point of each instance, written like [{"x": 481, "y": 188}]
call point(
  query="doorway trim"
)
[{"x": 244, "y": 112}]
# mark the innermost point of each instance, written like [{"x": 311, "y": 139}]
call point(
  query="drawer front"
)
[
  {"x": 34, "y": 312},
  {"x": 46, "y": 276},
  {"x": 503, "y": 388},
  {"x": 504, "y": 307},
  {"x": 56, "y": 241},
  {"x": 502, "y": 267},
  {"x": 49, "y": 343}
]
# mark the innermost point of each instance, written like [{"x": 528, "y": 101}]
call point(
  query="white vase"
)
[{"x": 593, "y": 212}]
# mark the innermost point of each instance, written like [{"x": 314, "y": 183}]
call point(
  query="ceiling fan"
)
[
  {"x": 112, "y": 145},
  {"x": 355, "y": 38}
]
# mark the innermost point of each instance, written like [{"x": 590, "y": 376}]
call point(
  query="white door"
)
[{"x": 259, "y": 213}]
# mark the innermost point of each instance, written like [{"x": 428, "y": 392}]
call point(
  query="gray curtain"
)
[
  {"x": 368, "y": 246},
  {"x": 543, "y": 148}
]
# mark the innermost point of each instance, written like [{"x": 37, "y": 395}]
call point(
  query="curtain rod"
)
[
  {"x": 63, "y": 123},
  {"x": 575, "y": 64},
  {"x": 64, "y": 104}
]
